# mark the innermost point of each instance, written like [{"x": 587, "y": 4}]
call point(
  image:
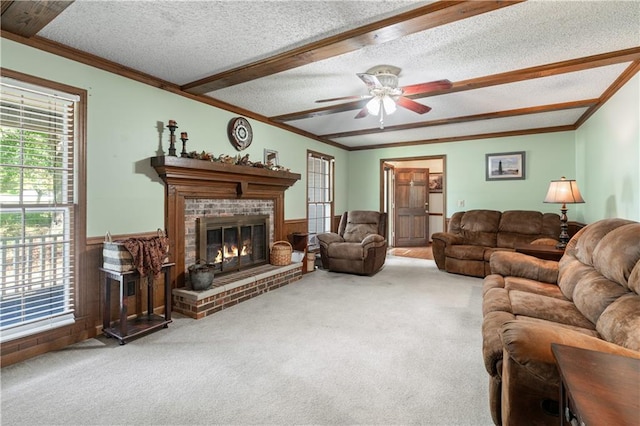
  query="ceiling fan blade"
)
[
  {"x": 363, "y": 113},
  {"x": 345, "y": 98},
  {"x": 431, "y": 86},
  {"x": 370, "y": 80},
  {"x": 412, "y": 105}
]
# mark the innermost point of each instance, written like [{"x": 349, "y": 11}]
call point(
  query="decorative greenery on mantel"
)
[
  {"x": 185, "y": 166},
  {"x": 238, "y": 160}
]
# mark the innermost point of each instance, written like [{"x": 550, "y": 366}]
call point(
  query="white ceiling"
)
[{"x": 183, "y": 41}]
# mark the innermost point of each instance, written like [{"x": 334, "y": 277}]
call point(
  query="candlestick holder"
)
[
  {"x": 184, "y": 149},
  {"x": 172, "y": 138}
]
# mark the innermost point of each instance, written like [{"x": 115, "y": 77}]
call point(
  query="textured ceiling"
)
[{"x": 181, "y": 42}]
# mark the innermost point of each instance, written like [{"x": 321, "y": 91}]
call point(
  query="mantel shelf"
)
[{"x": 189, "y": 170}]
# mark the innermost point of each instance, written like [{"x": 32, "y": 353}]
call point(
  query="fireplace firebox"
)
[{"x": 233, "y": 243}]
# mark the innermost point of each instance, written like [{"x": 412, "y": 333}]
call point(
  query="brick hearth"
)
[{"x": 234, "y": 288}]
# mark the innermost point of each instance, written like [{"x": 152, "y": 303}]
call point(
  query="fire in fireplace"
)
[{"x": 233, "y": 243}]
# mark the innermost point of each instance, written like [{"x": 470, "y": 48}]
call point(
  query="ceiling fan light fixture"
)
[
  {"x": 388, "y": 80},
  {"x": 389, "y": 105},
  {"x": 373, "y": 106}
]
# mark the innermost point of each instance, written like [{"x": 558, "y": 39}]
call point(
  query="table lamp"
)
[{"x": 563, "y": 191}]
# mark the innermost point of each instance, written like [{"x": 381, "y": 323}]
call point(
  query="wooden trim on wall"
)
[{"x": 87, "y": 325}]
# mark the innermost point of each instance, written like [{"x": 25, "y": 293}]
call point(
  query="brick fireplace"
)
[
  {"x": 207, "y": 219},
  {"x": 196, "y": 189}
]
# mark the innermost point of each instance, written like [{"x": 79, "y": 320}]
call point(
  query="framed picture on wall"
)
[
  {"x": 271, "y": 158},
  {"x": 505, "y": 166},
  {"x": 435, "y": 182}
]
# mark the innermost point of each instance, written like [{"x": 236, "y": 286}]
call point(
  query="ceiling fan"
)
[{"x": 385, "y": 95}]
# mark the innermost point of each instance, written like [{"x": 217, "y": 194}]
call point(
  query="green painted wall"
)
[
  {"x": 124, "y": 193},
  {"x": 548, "y": 156},
  {"x": 608, "y": 157}
]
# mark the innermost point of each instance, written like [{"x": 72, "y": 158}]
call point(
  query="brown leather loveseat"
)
[
  {"x": 589, "y": 299},
  {"x": 476, "y": 234}
]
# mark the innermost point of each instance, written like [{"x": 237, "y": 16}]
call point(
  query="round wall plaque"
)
[{"x": 240, "y": 133}]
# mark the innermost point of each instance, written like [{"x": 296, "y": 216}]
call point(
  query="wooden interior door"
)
[{"x": 411, "y": 207}]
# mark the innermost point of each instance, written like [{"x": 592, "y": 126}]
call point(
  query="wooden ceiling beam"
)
[
  {"x": 467, "y": 118},
  {"x": 632, "y": 70},
  {"x": 572, "y": 65},
  {"x": 26, "y": 18},
  {"x": 493, "y": 135},
  {"x": 413, "y": 21}
]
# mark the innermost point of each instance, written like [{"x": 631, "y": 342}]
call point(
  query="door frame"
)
[{"x": 388, "y": 163}]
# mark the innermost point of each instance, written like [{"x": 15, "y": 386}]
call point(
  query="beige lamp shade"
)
[{"x": 563, "y": 191}]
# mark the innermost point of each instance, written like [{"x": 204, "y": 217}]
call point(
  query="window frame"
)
[
  {"x": 312, "y": 236},
  {"x": 77, "y": 209}
]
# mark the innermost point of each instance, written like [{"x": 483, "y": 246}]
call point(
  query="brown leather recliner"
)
[{"x": 359, "y": 246}]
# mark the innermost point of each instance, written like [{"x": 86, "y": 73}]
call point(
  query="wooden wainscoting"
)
[{"x": 88, "y": 322}]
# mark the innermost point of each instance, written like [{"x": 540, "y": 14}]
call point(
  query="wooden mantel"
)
[
  {"x": 191, "y": 178},
  {"x": 187, "y": 171}
]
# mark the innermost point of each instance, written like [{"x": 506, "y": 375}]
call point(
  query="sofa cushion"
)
[
  {"x": 547, "y": 308},
  {"x": 346, "y": 250},
  {"x": 520, "y": 265},
  {"x": 570, "y": 272},
  {"x": 594, "y": 293},
  {"x": 492, "y": 281},
  {"x": 634, "y": 279},
  {"x": 618, "y": 253},
  {"x": 356, "y": 232},
  {"x": 525, "y": 226},
  {"x": 533, "y": 286},
  {"x": 620, "y": 322},
  {"x": 361, "y": 223},
  {"x": 496, "y": 299},
  {"x": 591, "y": 236},
  {"x": 478, "y": 227},
  {"x": 465, "y": 252}
]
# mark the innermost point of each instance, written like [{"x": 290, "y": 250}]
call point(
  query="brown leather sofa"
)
[
  {"x": 475, "y": 235},
  {"x": 589, "y": 299},
  {"x": 359, "y": 246}
]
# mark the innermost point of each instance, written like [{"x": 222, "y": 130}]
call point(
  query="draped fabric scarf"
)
[{"x": 148, "y": 253}]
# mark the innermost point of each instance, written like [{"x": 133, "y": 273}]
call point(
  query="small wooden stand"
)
[{"x": 127, "y": 328}]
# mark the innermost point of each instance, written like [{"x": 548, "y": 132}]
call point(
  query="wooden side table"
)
[
  {"x": 127, "y": 328},
  {"x": 540, "y": 251},
  {"x": 597, "y": 388}
]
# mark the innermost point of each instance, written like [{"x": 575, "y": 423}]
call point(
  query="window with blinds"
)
[
  {"x": 37, "y": 197},
  {"x": 319, "y": 195}
]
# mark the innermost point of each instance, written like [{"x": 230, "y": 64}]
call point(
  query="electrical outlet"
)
[
  {"x": 131, "y": 288},
  {"x": 460, "y": 203}
]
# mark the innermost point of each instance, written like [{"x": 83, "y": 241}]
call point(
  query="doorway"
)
[{"x": 413, "y": 196}]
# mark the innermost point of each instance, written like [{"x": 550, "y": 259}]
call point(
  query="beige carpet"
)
[
  {"x": 413, "y": 252},
  {"x": 403, "y": 347}
]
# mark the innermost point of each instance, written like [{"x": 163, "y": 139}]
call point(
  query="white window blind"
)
[
  {"x": 319, "y": 195},
  {"x": 37, "y": 196}
]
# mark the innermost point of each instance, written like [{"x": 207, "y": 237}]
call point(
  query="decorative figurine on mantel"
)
[
  {"x": 172, "y": 137},
  {"x": 184, "y": 139}
]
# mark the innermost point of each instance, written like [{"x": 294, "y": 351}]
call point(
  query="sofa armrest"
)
[
  {"x": 448, "y": 238},
  {"x": 440, "y": 240},
  {"x": 529, "y": 345},
  {"x": 329, "y": 237},
  {"x": 372, "y": 240},
  {"x": 512, "y": 264}
]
